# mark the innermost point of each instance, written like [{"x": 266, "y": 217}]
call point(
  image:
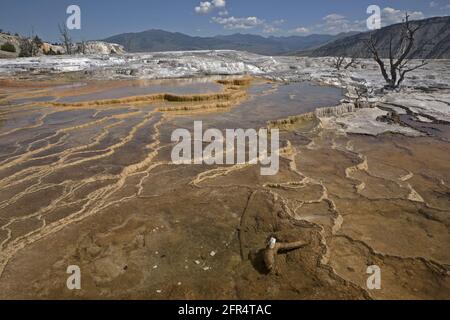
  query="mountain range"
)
[
  {"x": 432, "y": 42},
  {"x": 160, "y": 40}
]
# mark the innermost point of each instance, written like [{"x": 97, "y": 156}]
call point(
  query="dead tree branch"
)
[
  {"x": 395, "y": 73},
  {"x": 338, "y": 62},
  {"x": 65, "y": 38}
]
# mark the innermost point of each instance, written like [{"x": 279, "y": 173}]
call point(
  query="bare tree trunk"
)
[
  {"x": 65, "y": 38},
  {"x": 398, "y": 61},
  {"x": 82, "y": 47}
]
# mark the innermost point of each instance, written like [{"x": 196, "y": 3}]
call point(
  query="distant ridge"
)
[
  {"x": 432, "y": 41},
  {"x": 160, "y": 40}
]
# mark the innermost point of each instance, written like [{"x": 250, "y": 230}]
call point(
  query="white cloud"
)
[
  {"x": 273, "y": 27},
  {"x": 335, "y": 23},
  {"x": 300, "y": 30},
  {"x": 391, "y": 16},
  {"x": 270, "y": 29},
  {"x": 245, "y": 23},
  {"x": 204, "y": 7},
  {"x": 219, "y": 3},
  {"x": 232, "y": 23},
  {"x": 333, "y": 17},
  {"x": 437, "y": 5},
  {"x": 207, "y": 6}
]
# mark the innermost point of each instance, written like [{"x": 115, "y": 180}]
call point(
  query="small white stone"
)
[
  {"x": 179, "y": 284},
  {"x": 155, "y": 266},
  {"x": 212, "y": 254},
  {"x": 158, "y": 291},
  {"x": 197, "y": 262}
]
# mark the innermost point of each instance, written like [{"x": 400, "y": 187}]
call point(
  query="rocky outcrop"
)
[
  {"x": 89, "y": 47},
  {"x": 99, "y": 47},
  {"x": 14, "y": 40}
]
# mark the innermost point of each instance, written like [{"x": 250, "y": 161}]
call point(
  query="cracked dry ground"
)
[{"x": 97, "y": 190}]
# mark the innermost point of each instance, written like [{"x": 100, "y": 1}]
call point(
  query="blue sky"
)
[{"x": 102, "y": 18}]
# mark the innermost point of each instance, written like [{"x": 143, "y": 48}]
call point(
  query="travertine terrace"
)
[{"x": 86, "y": 179}]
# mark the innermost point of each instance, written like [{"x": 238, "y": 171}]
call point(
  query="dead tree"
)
[
  {"x": 338, "y": 62},
  {"x": 29, "y": 47},
  {"x": 36, "y": 45},
  {"x": 82, "y": 47},
  {"x": 65, "y": 38},
  {"x": 362, "y": 96},
  {"x": 26, "y": 47},
  {"x": 399, "y": 62}
]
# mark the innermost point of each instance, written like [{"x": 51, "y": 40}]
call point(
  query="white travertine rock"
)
[{"x": 364, "y": 121}]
